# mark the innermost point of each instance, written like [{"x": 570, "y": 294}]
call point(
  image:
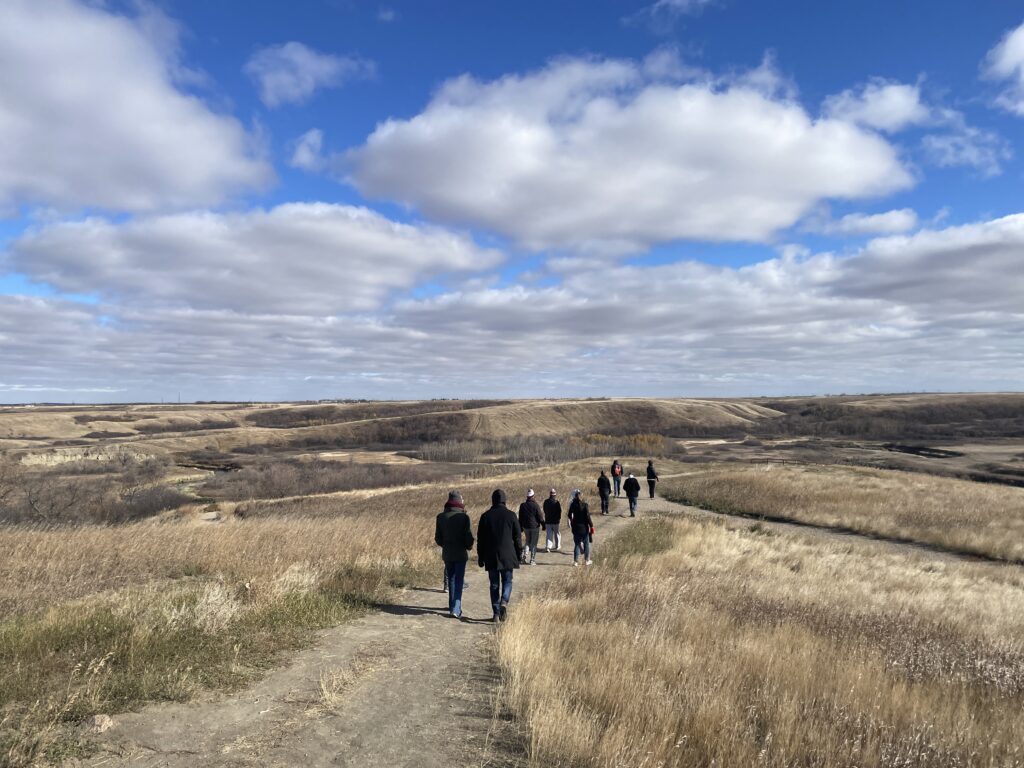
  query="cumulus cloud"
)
[
  {"x": 307, "y": 151},
  {"x": 965, "y": 146},
  {"x": 291, "y": 73},
  {"x": 607, "y": 157},
  {"x": 881, "y": 104},
  {"x": 888, "y": 223},
  {"x": 293, "y": 259},
  {"x": 939, "y": 308},
  {"x": 88, "y": 99},
  {"x": 1005, "y": 62},
  {"x": 973, "y": 268}
]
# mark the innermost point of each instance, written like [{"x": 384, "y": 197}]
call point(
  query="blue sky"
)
[{"x": 352, "y": 199}]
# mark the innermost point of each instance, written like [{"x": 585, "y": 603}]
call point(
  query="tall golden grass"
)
[
  {"x": 958, "y": 515},
  {"x": 733, "y": 647},
  {"x": 166, "y": 607}
]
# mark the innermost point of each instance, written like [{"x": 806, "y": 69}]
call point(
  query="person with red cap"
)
[{"x": 453, "y": 533}]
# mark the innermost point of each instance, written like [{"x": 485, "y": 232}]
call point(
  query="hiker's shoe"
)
[
  {"x": 575, "y": 564},
  {"x": 495, "y": 618},
  {"x": 590, "y": 562},
  {"x": 503, "y": 612}
]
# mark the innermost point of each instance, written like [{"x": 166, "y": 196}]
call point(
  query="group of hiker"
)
[{"x": 505, "y": 540}]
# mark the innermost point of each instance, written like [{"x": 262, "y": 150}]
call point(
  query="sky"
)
[{"x": 219, "y": 200}]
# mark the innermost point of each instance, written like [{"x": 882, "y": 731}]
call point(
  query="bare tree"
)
[
  {"x": 49, "y": 501},
  {"x": 8, "y": 481}
]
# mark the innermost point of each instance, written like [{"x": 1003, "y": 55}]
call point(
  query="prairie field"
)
[
  {"x": 702, "y": 642},
  {"x": 173, "y": 553},
  {"x": 957, "y": 515},
  {"x": 99, "y": 618}
]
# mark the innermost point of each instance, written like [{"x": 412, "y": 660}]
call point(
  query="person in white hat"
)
[{"x": 532, "y": 522}]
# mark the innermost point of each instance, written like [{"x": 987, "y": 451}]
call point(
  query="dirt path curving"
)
[{"x": 404, "y": 686}]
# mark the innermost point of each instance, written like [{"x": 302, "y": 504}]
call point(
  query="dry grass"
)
[
  {"x": 179, "y": 605},
  {"x": 722, "y": 646},
  {"x": 957, "y": 515}
]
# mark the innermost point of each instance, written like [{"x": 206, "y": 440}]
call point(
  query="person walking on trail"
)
[
  {"x": 632, "y": 489},
  {"x": 652, "y": 477},
  {"x": 617, "y": 476},
  {"x": 531, "y": 520},
  {"x": 582, "y": 528},
  {"x": 499, "y": 550},
  {"x": 454, "y": 534},
  {"x": 604, "y": 490},
  {"x": 552, "y": 522}
]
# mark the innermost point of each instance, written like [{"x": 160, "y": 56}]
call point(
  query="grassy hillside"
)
[{"x": 697, "y": 643}]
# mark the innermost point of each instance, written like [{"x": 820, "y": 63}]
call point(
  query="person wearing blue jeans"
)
[
  {"x": 617, "y": 476},
  {"x": 501, "y": 591},
  {"x": 582, "y": 528},
  {"x": 454, "y": 534},
  {"x": 499, "y": 550}
]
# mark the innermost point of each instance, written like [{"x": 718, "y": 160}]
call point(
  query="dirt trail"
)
[
  {"x": 409, "y": 687},
  {"x": 406, "y": 686}
]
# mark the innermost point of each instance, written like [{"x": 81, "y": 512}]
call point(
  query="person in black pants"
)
[
  {"x": 604, "y": 490},
  {"x": 632, "y": 489},
  {"x": 499, "y": 550},
  {"x": 582, "y": 528},
  {"x": 652, "y": 477}
]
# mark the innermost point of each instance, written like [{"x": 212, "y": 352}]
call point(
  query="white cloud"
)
[
  {"x": 968, "y": 147},
  {"x": 603, "y": 156},
  {"x": 386, "y": 15},
  {"x": 880, "y": 104},
  {"x": 973, "y": 268},
  {"x": 888, "y": 223},
  {"x": 92, "y": 117},
  {"x": 307, "y": 152},
  {"x": 937, "y": 309},
  {"x": 661, "y": 15},
  {"x": 294, "y": 259},
  {"x": 291, "y": 73},
  {"x": 1005, "y": 62}
]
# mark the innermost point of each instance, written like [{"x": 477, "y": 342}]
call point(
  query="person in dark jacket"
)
[
  {"x": 499, "y": 550},
  {"x": 552, "y": 521},
  {"x": 652, "y": 477},
  {"x": 531, "y": 520},
  {"x": 604, "y": 490},
  {"x": 632, "y": 489},
  {"x": 454, "y": 535},
  {"x": 617, "y": 476},
  {"x": 582, "y": 528}
]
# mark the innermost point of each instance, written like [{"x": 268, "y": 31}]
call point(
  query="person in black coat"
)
[
  {"x": 531, "y": 520},
  {"x": 552, "y": 521},
  {"x": 499, "y": 549},
  {"x": 454, "y": 534},
  {"x": 582, "y": 527},
  {"x": 652, "y": 477},
  {"x": 632, "y": 489},
  {"x": 604, "y": 490}
]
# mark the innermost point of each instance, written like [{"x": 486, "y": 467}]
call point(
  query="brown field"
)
[
  {"x": 957, "y": 515},
  {"x": 155, "y": 552},
  {"x": 704, "y": 643},
  {"x": 163, "y": 608}
]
